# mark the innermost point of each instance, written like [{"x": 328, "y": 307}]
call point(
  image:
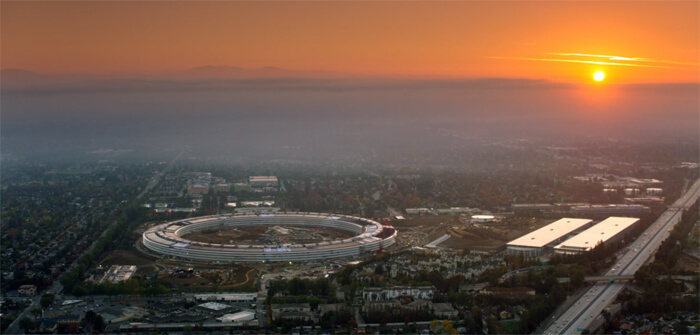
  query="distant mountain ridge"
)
[
  {"x": 28, "y": 78},
  {"x": 225, "y": 71}
]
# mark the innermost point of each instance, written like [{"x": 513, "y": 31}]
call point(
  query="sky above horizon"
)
[{"x": 567, "y": 41}]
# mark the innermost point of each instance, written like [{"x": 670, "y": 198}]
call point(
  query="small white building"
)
[
  {"x": 263, "y": 181},
  {"x": 483, "y": 218},
  {"x": 237, "y": 317},
  {"x": 72, "y": 303}
]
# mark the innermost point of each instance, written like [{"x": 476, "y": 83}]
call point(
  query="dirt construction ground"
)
[
  {"x": 122, "y": 257},
  {"x": 205, "y": 277}
]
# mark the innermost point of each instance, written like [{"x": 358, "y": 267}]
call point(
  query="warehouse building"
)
[
  {"x": 263, "y": 181},
  {"x": 610, "y": 229},
  {"x": 534, "y": 244}
]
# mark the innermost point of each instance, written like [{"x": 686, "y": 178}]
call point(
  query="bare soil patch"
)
[
  {"x": 465, "y": 243},
  {"x": 687, "y": 263},
  {"x": 424, "y": 221},
  {"x": 207, "y": 279},
  {"x": 122, "y": 257},
  {"x": 268, "y": 234}
]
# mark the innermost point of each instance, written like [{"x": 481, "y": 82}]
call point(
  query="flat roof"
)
[
  {"x": 531, "y": 205},
  {"x": 216, "y": 306},
  {"x": 240, "y": 316},
  {"x": 545, "y": 235},
  {"x": 601, "y": 232},
  {"x": 71, "y": 302},
  {"x": 226, "y": 296},
  {"x": 610, "y": 206},
  {"x": 263, "y": 178}
]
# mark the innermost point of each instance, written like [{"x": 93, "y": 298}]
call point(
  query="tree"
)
[
  {"x": 132, "y": 286},
  {"x": 449, "y": 327},
  {"x": 478, "y": 323},
  {"x": 434, "y": 325},
  {"x": 379, "y": 269},
  {"x": 577, "y": 278},
  {"x": 47, "y": 300},
  {"x": 100, "y": 323},
  {"x": 90, "y": 316},
  {"x": 80, "y": 290},
  {"x": 26, "y": 323}
]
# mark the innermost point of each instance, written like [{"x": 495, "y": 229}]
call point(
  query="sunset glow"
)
[{"x": 655, "y": 41}]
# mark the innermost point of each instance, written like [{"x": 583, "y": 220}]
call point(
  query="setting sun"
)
[{"x": 599, "y": 76}]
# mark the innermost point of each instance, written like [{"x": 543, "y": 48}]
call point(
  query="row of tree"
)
[
  {"x": 115, "y": 237},
  {"x": 662, "y": 294}
]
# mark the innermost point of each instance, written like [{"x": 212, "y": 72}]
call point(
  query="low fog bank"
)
[{"x": 400, "y": 121}]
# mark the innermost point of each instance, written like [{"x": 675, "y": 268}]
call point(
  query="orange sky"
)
[{"x": 458, "y": 39}]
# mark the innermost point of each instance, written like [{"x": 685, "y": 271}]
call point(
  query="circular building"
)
[{"x": 169, "y": 238}]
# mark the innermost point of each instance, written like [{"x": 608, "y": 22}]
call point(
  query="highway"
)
[
  {"x": 597, "y": 298},
  {"x": 599, "y": 278}
]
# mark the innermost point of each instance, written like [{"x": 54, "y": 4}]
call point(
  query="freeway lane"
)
[{"x": 580, "y": 315}]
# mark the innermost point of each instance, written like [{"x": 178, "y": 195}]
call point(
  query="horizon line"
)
[{"x": 400, "y": 77}]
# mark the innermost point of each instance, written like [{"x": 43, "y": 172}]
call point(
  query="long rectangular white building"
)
[
  {"x": 604, "y": 231},
  {"x": 531, "y": 245},
  {"x": 262, "y": 181}
]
